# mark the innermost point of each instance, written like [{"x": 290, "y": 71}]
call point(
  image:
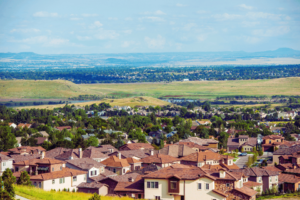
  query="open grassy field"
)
[
  {"x": 34, "y": 193},
  {"x": 193, "y": 89},
  {"x": 135, "y": 101}
]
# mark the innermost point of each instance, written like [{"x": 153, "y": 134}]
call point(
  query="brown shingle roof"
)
[
  {"x": 133, "y": 146},
  {"x": 132, "y": 153},
  {"x": 94, "y": 185},
  {"x": 103, "y": 175},
  {"x": 252, "y": 184},
  {"x": 136, "y": 186},
  {"x": 19, "y": 158},
  {"x": 220, "y": 193},
  {"x": 258, "y": 172},
  {"x": 39, "y": 161},
  {"x": 288, "y": 178},
  {"x": 247, "y": 191},
  {"x": 4, "y": 157},
  {"x": 65, "y": 172},
  {"x": 203, "y": 156},
  {"x": 27, "y": 149},
  {"x": 159, "y": 158},
  {"x": 107, "y": 148},
  {"x": 114, "y": 161},
  {"x": 55, "y": 152},
  {"x": 85, "y": 163},
  {"x": 40, "y": 140},
  {"x": 123, "y": 178},
  {"x": 273, "y": 137}
]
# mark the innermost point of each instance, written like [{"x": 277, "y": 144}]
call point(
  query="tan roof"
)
[
  {"x": 39, "y": 161},
  {"x": 204, "y": 156},
  {"x": 27, "y": 149},
  {"x": 55, "y": 152},
  {"x": 200, "y": 141},
  {"x": 114, "y": 161},
  {"x": 85, "y": 163},
  {"x": 107, "y": 148},
  {"x": 159, "y": 158},
  {"x": 177, "y": 150},
  {"x": 40, "y": 140},
  {"x": 273, "y": 137},
  {"x": 63, "y": 127},
  {"x": 132, "y": 160},
  {"x": 44, "y": 133},
  {"x": 65, "y": 172},
  {"x": 139, "y": 153},
  {"x": 247, "y": 191},
  {"x": 252, "y": 184},
  {"x": 93, "y": 185},
  {"x": 87, "y": 153},
  {"x": 133, "y": 146}
]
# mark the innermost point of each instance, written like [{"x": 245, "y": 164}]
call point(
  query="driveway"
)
[
  {"x": 21, "y": 198},
  {"x": 242, "y": 161}
]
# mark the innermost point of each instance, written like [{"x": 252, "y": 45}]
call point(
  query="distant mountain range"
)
[{"x": 156, "y": 58}]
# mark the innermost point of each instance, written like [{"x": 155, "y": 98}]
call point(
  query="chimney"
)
[
  {"x": 71, "y": 158},
  {"x": 130, "y": 179},
  {"x": 119, "y": 155},
  {"x": 151, "y": 152},
  {"x": 222, "y": 173},
  {"x": 43, "y": 155},
  {"x": 80, "y": 152}
]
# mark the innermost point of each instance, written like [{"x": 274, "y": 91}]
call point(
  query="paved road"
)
[
  {"x": 21, "y": 198},
  {"x": 242, "y": 161}
]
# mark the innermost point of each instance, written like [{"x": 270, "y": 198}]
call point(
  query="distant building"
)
[{"x": 186, "y": 79}]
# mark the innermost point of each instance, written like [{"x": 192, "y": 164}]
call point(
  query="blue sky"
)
[{"x": 129, "y": 26}]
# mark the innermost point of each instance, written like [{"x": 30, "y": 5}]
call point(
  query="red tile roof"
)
[
  {"x": 65, "y": 172},
  {"x": 204, "y": 156},
  {"x": 247, "y": 191},
  {"x": 114, "y": 161},
  {"x": 251, "y": 184}
]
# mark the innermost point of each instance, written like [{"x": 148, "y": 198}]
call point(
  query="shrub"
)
[{"x": 95, "y": 197}]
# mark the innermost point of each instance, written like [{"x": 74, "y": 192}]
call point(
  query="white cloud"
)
[
  {"x": 127, "y": 31},
  {"x": 45, "y": 14},
  {"x": 226, "y": 16},
  {"x": 159, "y": 12},
  {"x": 188, "y": 26},
  {"x": 89, "y": 15},
  {"x": 201, "y": 38},
  {"x": 246, "y": 7},
  {"x": 155, "y": 43},
  {"x": 152, "y": 18},
  {"x": 180, "y": 5},
  {"x": 83, "y": 38},
  {"x": 202, "y": 11},
  {"x": 128, "y": 18},
  {"x": 126, "y": 44},
  {"x": 28, "y": 30},
  {"x": 106, "y": 34},
  {"x": 44, "y": 40},
  {"x": 272, "y": 32},
  {"x": 75, "y": 18},
  {"x": 98, "y": 24}
]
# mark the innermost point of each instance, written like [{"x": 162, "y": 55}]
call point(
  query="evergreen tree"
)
[
  {"x": 9, "y": 180},
  {"x": 119, "y": 143},
  {"x": 95, "y": 197},
  {"x": 24, "y": 179}
]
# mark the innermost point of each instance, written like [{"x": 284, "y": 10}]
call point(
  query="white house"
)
[
  {"x": 12, "y": 125},
  {"x": 5, "y": 162},
  {"x": 66, "y": 178}
]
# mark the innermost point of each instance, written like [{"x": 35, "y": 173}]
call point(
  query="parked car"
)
[{"x": 243, "y": 154}]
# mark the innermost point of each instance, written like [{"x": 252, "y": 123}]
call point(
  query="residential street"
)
[{"x": 242, "y": 160}]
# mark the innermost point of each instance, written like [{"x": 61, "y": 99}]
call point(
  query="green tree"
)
[
  {"x": 7, "y": 138},
  {"x": 119, "y": 143},
  {"x": 24, "y": 179},
  {"x": 95, "y": 197},
  {"x": 3, "y": 192},
  {"x": 9, "y": 180},
  {"x": 260, "y": 153},
  {"x": 92, "y": 141}
]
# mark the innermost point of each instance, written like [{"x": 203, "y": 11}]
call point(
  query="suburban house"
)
[
  {"x": 200, "y": 159},
  {"x": 210, "y": 143},
  {"x": 289, "y": 182},
  {"x": 107, "y": 149},
  {"x": 121, "y": 181},
  {"x": 5, "y": 162},
  {"x": 271, "y": 142},
  {"x": 134, "y": 146},
  {"x": 242, "y": 142},
  {"x": 293, "y": 159},
  {"x": 160, "y": 160},
  {"x": 93, "y": 187},
  {"x": 26, "y": 150},
  {"x": 268, "y": 178},
  {"x": 60, "y": 128},
  {"x": 157, "y": 134},
  {"x": 177, "y": 150},
  {"x": 136, "y": 154},
  {"x": 92, "y": 167},
  {"x": 117, "y": 165},
  {"x": 39, "y": 165},
  {"x": 190, "y": 182},
  {"x": 44, "y": 134},
  {"x": 12, "y": 125},
  {"x": 195, "y": 146},
  {"x": 21, "y": 125},
  {"x": 41, "y": 140},
  {"x": 285, "y": 151},
  {"x": 58, "y": 180},
  {"x": 90, "y": 152}
]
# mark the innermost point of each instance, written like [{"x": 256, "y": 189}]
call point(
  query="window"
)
[
  {"x": 152, "y": 184},
  {"x": 114, "y": 170},
  {"x": 91, "y": 173},
  {"x": 74, "y": 178},
  {"x": 53, "y": 169},
  {"x": 4, "y": 163},
  {"x": 139, "y": 196},
  {"x": 53, "y": 181},
  {"x": 123, "y": 170},
  {"x": 60, "y": 167},
  {"x": 17, "y": 169},
  {"x": 173, "y": 185},
  {"x": 259, "y": 179},
  {"x": 199, "y": 186},
  {"x": 84, "y": 178},
  {"x": 157, "y": 197},
  {"x": 270, "y": 179},
  {"x": 207, "y": 186},
  {"x": 34, "y": 183},
  {"x": 276, "y": 179},
  {"x": 40, "y": 184},
  {"x": 62, "y": 180},
  {"x": 227, "y": 185}
]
